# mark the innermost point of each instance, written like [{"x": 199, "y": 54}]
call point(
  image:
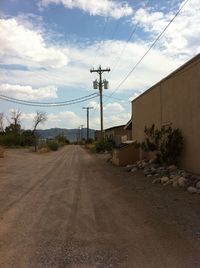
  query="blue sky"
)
[{"x": 47, "y": 48}]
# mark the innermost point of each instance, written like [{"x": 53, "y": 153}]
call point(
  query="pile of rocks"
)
[{"x": 167, "y": 175}]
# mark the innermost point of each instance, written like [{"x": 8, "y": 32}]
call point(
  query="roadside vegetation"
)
[
  {"x": 13, "y": 136},
  {"x": 99, "y": 147},
  {"x": 104, "y": 146},
  {"x": 166, "y": 143}
]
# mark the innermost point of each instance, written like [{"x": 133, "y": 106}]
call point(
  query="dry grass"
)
[{"x": 43, "y": 150}]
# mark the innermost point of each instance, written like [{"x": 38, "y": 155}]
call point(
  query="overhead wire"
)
[
  {"x": 56, "y": 104},
  {"x": 148, "y": 50},
  {"x": 48, "y": 103},
  {"x": 117, "y": 59}
]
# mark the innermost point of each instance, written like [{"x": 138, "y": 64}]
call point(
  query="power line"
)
[
  {"x": 152, "y": 45},
  {"x": 92, "y": 96},
  {"x": 47, "y": 103},
  {"x": 117, "y": 59}
]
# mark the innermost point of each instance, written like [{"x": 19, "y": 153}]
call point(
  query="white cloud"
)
[
  {"x": 63, "y": 119},
  {"x": 22, "y": 45},
  {"x": 145, "y": 75},
  {"x": 27, "y": 92},
  {"x": 182, "y": 36},
  {"x": 118, "y": 119},
  {"x": 105, "y": 8},
  {"x": 114, "y": 107}
]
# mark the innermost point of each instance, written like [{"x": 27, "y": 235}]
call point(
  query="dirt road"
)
[{"x": 73, "y": 209}]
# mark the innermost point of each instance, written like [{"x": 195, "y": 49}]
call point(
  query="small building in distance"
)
[
  {"x": 116, "y": 134},
  {"x": 175, "y": 102}
]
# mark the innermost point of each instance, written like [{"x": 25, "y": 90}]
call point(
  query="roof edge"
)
[{"x": 192, "y": 60}]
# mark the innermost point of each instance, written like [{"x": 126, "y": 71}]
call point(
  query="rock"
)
[
  {"x": 153, "y": 169},
  {"x": 134, "y": 169},
  {"x": 172, "y": 168},
  {"x": 129, "y": 167},
  {"x": 156, "y": 181},
  {"x": 168, "y": 182},
  {"x": 147, "y": 171},
  {"x": 175, "y": 184},
  {"x": 175, "y": 178},
  {"x": 145, "y": 164},
  {"x": 192, "y": 189},
  {"x": 182, "y": 182},
  {"x": 198, "y": 191},
  {"x": 164, "y": 179},
  {"x": 198, "y": 185},
  {"x": 149, "y": 175}
]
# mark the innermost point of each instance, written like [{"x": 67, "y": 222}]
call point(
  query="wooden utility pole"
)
[
  {"x": 88, "y": 123},
  {"x": 100, "y": 84}
]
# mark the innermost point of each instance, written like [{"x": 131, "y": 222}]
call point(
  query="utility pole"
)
[
  {"x": 100, "y": 84},
  {"x": 88, "y": 127}
]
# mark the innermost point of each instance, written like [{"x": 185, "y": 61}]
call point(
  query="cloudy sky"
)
[{"x": 47, "y": 48}]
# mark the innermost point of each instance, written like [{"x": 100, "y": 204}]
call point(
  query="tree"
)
[
  {"x": 39, "y": 118},
  {"x": 1, "y": 122},
  {"x": 15, "y": 122}
]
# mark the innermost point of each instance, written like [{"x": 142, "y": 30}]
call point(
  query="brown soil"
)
[{"x": 71, "y": 208}]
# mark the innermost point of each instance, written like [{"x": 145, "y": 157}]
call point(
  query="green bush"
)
[
  {"x": 103, "y": 146},
  {"x": 167, "y": 142},
  {"x": 62, "y": 140},
  {"x": 52, "y": 145}
]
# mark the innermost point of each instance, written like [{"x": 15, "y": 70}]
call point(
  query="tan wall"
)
[
  {"x": 125, "y": 155},
  {"x": 146, "y": 111},
  {"x": 174, "y": 100}
]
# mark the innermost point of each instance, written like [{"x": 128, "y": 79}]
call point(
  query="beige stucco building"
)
[{"x": 174, "y": 101}]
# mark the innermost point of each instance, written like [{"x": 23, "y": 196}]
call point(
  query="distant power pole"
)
[
  {"x": 88, "y": 123},
  {"x": 100, "y": 85}
]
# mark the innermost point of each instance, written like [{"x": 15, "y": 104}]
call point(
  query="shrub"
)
[
  {"x": 167, "y": 142},
  {"x": 62, "y": 140},
  {"x": 103, "y": 146},
  {"x": 53, "y": 146}
]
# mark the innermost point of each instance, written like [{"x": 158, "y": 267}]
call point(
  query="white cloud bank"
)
[
  {"x": 182, "y": 37},
  {"x": 107, "y": 8},
  {"x": 22, "y": 45},
  {"x": 27, "y": 92}
]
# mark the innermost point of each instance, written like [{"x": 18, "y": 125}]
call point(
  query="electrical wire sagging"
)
[{"x": 49, "y": 104}]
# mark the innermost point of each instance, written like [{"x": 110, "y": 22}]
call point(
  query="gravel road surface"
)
[{"x": 71, "y": 208}]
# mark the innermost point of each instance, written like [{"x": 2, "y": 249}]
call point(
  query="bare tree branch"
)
[
  {"x": 39, "y": 118},
  {"x": 16, "y": 117}
]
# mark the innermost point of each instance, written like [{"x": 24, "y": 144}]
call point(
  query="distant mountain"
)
[{"x": 71, "y": 134}]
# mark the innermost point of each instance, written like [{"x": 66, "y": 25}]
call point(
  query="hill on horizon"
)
[{"x": 71, "y": 134}]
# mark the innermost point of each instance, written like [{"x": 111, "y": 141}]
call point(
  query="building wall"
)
[
  {"x": 128, "y": 154},
  {"x": 176, "y": 101},
  {"x": 115, "y": 134}
]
